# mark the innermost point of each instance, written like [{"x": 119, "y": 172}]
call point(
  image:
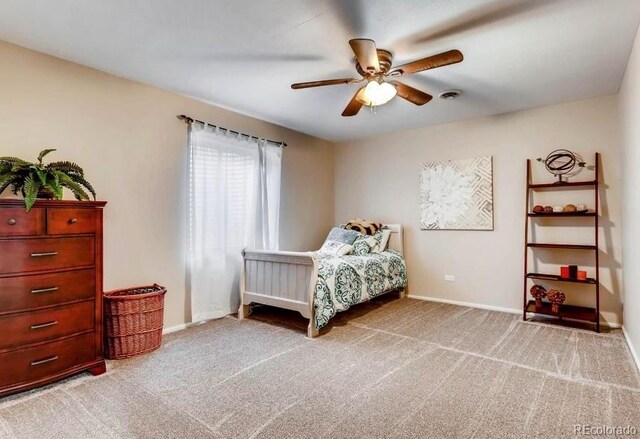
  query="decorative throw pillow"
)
[
  {"x": 363, "y": 226},
  {"x": 365, "y": 244},
  {"x": 342, "y": 235},
  {"x": 335, "y": 248},
  {"x": 361, "y": 248}
]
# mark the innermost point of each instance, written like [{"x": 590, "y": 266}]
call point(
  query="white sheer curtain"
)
[{"x": 234, "y": 203}]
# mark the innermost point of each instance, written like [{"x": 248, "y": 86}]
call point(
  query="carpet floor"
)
[{"x": 385, "y": 369}]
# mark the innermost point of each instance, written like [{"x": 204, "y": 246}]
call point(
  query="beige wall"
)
[
  {"x": 133, "y": 149},
  {"x": 377, "y": 178},
  {"x": 630, "y": 117},
  {"x": 108, "y": 123}
]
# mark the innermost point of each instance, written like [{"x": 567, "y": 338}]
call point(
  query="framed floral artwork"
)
[{"x": 457, "y": 195}]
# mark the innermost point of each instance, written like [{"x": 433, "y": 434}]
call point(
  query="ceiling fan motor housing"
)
[{"x": 384, "y": 60}]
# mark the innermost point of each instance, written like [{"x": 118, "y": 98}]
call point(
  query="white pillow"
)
[
  {"x": 335, "y": 248},
  {"x": 382, "y": 245}
]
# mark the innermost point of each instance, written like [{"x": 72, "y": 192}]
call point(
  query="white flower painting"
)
[{"x": 457, "y": 195}]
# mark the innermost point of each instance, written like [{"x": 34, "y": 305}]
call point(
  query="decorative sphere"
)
[{"x": 560, "y": 161}]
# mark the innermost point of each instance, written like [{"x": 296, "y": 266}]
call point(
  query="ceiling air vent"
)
[{"x": 450, "y": 94}]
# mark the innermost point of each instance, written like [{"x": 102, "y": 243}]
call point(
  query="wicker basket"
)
[{"x": 133, "y": 321}]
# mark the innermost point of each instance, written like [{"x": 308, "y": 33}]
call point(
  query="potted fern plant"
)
[{"x": 39, "y": 180}]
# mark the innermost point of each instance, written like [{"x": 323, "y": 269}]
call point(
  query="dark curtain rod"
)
[{"x": 191, "y": 119}]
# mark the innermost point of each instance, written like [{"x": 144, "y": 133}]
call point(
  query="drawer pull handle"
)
[
  {"x": 44, "y": 290},
  {"x": 12, "y": 222},
  {"x": 73, "y": 220},
  {"x": 44, "y": 325},
  {"x": 41, "y": 255},
  {"x": 46, "y": 360}
]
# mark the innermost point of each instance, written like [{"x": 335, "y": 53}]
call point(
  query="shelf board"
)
[
  {"x": 556, "y": 277},
  {"x": 563, "y": 214},
  {"x": 562, "y": 246},
  {"x": 573, "y": 312},
  {"x": 563, "y": 185}
]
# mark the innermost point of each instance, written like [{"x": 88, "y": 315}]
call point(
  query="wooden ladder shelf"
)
[{"x": 567, "y": 311}]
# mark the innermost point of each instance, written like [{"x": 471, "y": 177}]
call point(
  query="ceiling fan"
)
[{"x": 374, "y": 65}]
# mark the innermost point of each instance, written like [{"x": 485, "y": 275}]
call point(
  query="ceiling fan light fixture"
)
[{"x": 376, "y": 93}]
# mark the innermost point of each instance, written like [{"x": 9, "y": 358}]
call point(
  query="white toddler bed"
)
[{"x": 289, "y": 280}]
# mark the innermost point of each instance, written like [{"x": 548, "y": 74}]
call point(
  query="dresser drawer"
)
[
  {"x": 49, "y": 359},
  {"x": 27, "y": 255},
  {"x": 29, "y": 292},
  {"x": 61, "y": 221},
  {"x": 46, "y": 324},
  {"x": 15, "y": 221}
]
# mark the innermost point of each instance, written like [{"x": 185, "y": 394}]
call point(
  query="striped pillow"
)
[{"x": 363, "y": 226}]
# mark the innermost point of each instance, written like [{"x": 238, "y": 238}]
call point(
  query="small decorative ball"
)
[
  {"x": 538, "y": 208},
  {"x": 538, "y": 292},
  {"x": 548, "y": 209},
  {"x": 569, "y": 208},
  {"x": 557, "y": 298},
  {"x": 557, "y": 209},
  {"x": 581, "y": 207}
]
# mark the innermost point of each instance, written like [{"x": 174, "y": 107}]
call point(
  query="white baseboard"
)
[
  {"x": 634, "y": 353},
  {"x": 489, "y": 307},
  {"x": 176, "y": 328},
  {"x": 469, "y": 304}
]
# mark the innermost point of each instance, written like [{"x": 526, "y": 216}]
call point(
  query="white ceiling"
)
[{"x": 244, "y": 54}]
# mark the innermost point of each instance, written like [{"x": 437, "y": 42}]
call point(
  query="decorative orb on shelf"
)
[
  {"x": 557, "y": 298},
  {"x": 561, "y": 162},
  {"x": 538, "y": 292}
]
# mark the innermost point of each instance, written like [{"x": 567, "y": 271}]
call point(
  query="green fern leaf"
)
[
  {"x": 56, "y": 188},
  {"x": 20, "y": 167},
  {"x": 43, "y": 153},
  {"x": 75, "y": 188},
  {"x": 13, "y": 160},
  {"x": 5, "y": 181},
  {"x": 80, "y": 180},
  {"x": 68, "y": 167},
  {"x": 31, "y": 187},
  {"x": 41, "y": 173}
]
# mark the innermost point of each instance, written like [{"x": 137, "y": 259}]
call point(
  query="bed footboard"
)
[{"x": 279, "y": 278}]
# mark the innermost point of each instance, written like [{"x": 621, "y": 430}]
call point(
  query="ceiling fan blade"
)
[
  {"x": 430, "y": 62},
  {"x": 411, "y": 94},
  {"x": 353, "y": 106},
  {"x": 299, "y": 85},
  {"x": 366, "y": 54}
]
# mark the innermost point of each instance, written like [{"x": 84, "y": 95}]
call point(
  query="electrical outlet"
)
[{"x": 449, "y": 277}]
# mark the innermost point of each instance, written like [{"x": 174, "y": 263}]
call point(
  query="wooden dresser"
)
[{"x": 50, "y": 292}]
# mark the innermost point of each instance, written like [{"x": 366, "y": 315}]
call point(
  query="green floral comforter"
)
[{"x": 344, "y": 281}]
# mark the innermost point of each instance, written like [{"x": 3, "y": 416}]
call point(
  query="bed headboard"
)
[{"x": 396, "y": 239}]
